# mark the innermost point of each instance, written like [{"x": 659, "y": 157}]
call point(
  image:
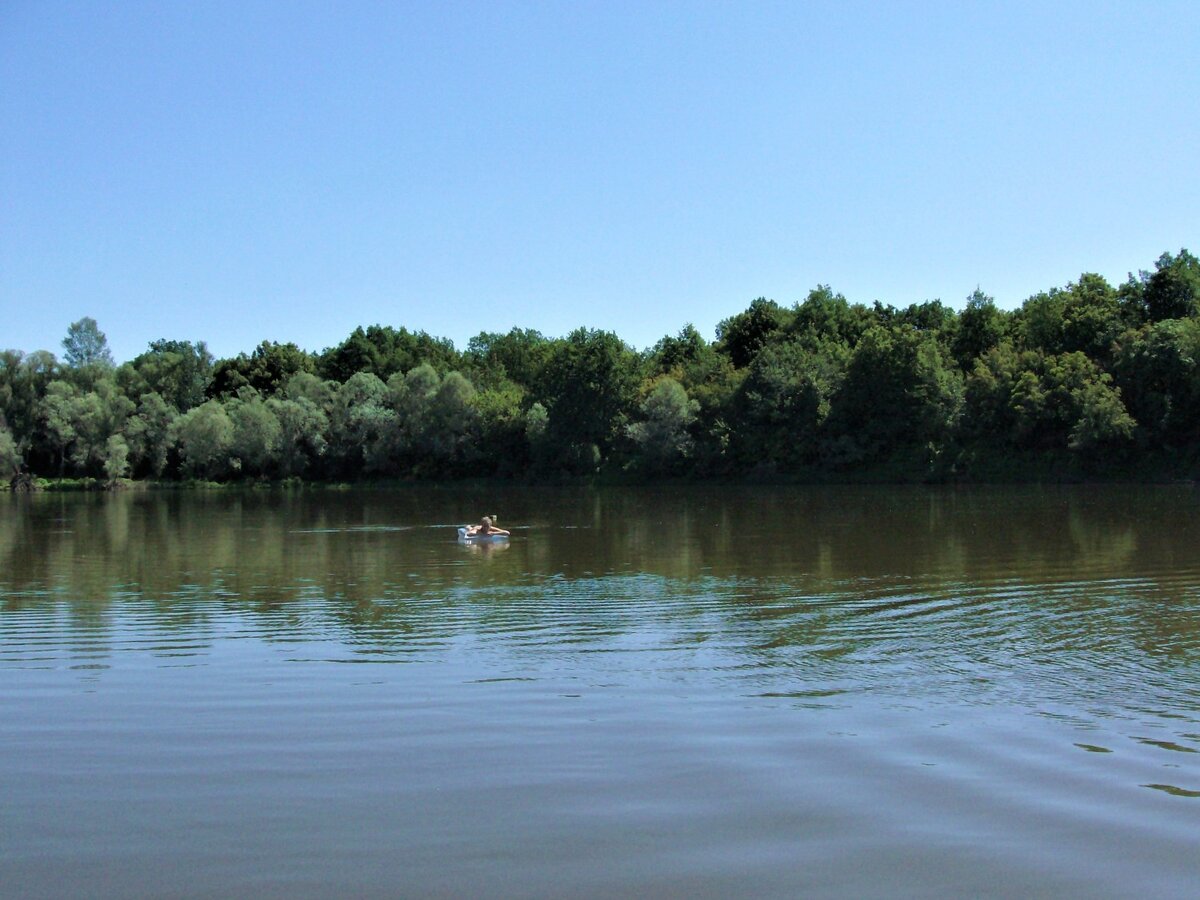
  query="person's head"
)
[{"x": 486, "y": 522}]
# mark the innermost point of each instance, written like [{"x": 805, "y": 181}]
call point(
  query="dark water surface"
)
[{"x": 688, "y": 693}]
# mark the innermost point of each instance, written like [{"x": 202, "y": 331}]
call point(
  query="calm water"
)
[{"x": 691, "y": 693}]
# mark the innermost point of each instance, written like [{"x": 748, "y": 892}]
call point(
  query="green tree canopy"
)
[
  {"x": 1081, "y": 376},
  {"x": 148, "y": 434},
  {"x": 361, "y": 425},
  {"x": 683, "y": 351},
  {"x": 256, "y": 435},
  {"x": 1173, "y": 290},
  {"x": 662, "y": 431},
  {"x": 266, "y": 370},
  {"x": 307, "y": 386},
  {"x": 899, "y": 390},
  {"x": 116, "y": 457},
  {"x": 10, "y": 456},
  {"x": 740, "y": 337},
  {"x": 520, "y": 355},
  {"x": 178, "y": 371},
  {"x": 383, "y": 351},
  {"x": 23, "y": 382},
  {"x": 1092, "y": 317},
  {"x": 205, "y": 437},
  {"x": 1038, "y": 324},
  {"x": 1157, "y": 369},
  {"x": 595, "y": 377},
  {"x": 78, "y": 423},
  {"x": 825, "y": 318},
  {"x": 302, "y": 429},
  {"x": 981, "y": 327},
  {"x": 1045, "y": 402},
  {"x": 780, "y": 408}
]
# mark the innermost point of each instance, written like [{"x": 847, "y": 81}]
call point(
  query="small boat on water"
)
[{"x": 468, "y": 538}]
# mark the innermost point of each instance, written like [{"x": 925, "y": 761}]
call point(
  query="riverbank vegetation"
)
[{"x": 1089, "y": 380}]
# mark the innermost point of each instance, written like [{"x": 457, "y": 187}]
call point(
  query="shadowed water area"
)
[{"x": 700, "y": 692}]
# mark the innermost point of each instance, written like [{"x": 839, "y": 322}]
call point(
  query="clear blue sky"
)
[{"x": 239, "y": 171}]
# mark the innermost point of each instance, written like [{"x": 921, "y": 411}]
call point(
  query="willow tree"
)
[
  {"x": 662, "y": 435},
  {"x": 205, "y": 437}
]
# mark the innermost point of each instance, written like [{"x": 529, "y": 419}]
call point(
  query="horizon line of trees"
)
[{"x": 1089, "y": 378}]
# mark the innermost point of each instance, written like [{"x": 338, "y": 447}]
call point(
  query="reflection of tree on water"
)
[
  {"x": 804, "y": 567},
  {"x": 485, "y": 549}
]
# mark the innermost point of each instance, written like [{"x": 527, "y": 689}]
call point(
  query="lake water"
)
[{"x": 696, "y": 692}]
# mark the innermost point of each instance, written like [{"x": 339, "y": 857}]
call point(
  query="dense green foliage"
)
[{"x": 1088, "y": 380}]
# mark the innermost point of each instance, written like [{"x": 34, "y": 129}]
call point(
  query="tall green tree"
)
[
  {"x": 116, "y": 458},
  {"x": 77, "y": 423},
  {"x": 85, "y": 345},
  {"x": 989, "y": 415},
  {"x": 709, "y": 379},
  {"x": 23, "y": 382},
  {"x": 932, "y": 317},
  {"x": 662, "y": 431},
  {"x": 1048, "y": 403},
  {"x": 981, "y": 327},
  {"x": 56, "y": 414},
  {"x": 454, "y": 425},
  {"x": 177, "y": 371},
  {"x": 148, "y": 435},
  {"x": 779, "y": 410},
  {"x": 266, "y": 370},
  {"x": 825, "y": 318},
  {"x": 520, "y": 356},
  {"x": 537, "y": 434},
  {"x": 10, "y": 455},
  {"x": 410, "y": 397},
  {"x": 303, "y": 426},
  {"x": 1173, "y": 290},
  {"x": 1157, "y": 369},
  {"x": 256, "y": 434},
  {"x": 10, "y": 367},
  {"x": 361, "y": 426},
  {"x": 307, "y": 386},
  {"x": 682, "y": 352},
  {"x": 502, "y": 430},
  {"x": 1092, "y": 317},
  {"x": 205, "y": 438},
  {"x": 98, "y": 415},
  {"x": 900, "y": 390},
  {"x": 741, "y": 337},
  {"x": 1038, "y": 324},
  {"x": 383, "y": 351},
  {"x": 595, "y": 377}
]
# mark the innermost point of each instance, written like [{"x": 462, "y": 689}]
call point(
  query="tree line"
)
[{"x": 1088, "y": 380}]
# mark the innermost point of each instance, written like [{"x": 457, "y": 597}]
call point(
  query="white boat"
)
[{"x": 479, "y": 538}]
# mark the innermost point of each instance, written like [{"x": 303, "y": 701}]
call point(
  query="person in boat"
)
[{"x": 485, "y": 527}]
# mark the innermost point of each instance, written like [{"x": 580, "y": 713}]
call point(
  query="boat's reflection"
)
[{"x": 484, "y": 548}]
